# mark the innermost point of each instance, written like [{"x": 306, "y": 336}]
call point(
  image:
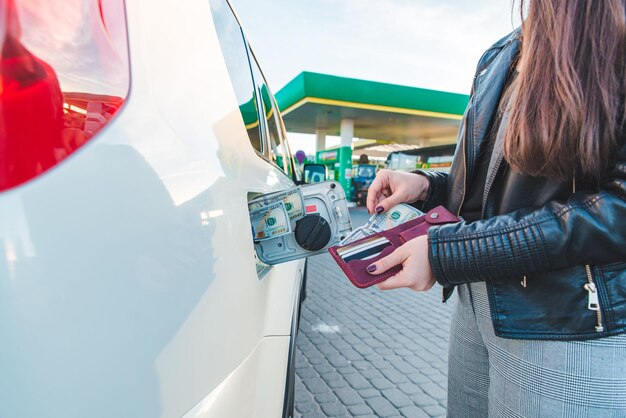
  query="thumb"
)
[
  {"x": 394, "y": 259},
  {"x": 388, "y": 203}
]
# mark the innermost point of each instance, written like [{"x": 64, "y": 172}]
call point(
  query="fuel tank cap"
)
[{"x": 312, "y": 232}]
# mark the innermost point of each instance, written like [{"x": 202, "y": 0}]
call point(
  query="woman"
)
[{"x": 539, "y": 261}]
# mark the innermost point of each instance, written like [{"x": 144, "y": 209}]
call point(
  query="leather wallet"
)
[{"x": 354, "y": 258}]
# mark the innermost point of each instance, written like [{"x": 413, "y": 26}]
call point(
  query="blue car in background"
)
[{"x": 362, "y": 178}]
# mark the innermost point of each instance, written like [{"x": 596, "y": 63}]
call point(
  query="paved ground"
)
[{"x": 369, "y": 353}]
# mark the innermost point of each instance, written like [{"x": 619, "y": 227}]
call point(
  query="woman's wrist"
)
[{"x": 424, "y": 186}]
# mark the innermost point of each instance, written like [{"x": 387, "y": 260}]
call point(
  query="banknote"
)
[
  {"x": 356, "y": 234},
  {"x": 292, "y": 199},
  {"x": 395, "y": 216},
  {"x": 270, "y": 221}
]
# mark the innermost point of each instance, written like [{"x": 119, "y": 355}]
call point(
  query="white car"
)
[{"x": 132, "y": 134}]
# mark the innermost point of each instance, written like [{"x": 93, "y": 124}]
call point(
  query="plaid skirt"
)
[{"x": 489, "y": 376}]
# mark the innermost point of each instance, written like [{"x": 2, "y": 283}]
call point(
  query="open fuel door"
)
[{"x": 299, "y": 222}]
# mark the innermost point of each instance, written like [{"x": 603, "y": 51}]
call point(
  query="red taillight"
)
[{"x": 63, "y": 74}]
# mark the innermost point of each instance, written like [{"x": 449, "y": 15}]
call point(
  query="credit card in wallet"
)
[
  {"x": 350, "y": 248},
  {"x": 364, "y": 250}
]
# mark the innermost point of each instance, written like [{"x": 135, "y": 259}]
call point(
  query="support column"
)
[
  {"x": 345, "y": 156},
  {"x": 320, "y": 142},
  {"x": 320, "y": 138}
]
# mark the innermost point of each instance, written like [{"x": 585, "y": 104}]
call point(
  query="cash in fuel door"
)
[{"x": 299, "y": 222}]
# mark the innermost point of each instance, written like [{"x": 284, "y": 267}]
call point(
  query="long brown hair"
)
[{"x": 567, "y": 103}]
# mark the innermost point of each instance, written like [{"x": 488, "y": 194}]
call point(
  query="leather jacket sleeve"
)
[
  {"x": 437, "y": 190},
  {"x": 588, "y": 228}
]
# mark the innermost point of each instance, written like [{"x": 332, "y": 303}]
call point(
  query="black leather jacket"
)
[{"x": 554, "y": 259}]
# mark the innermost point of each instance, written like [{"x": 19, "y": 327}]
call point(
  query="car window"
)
[
  {"x": 277, "y": 150},
  {"x": 282, "y": 147},
  {"x": 295, "y": 174},
  {"x": 235, "y": 54},
  {"x": 366, "y": 171}
]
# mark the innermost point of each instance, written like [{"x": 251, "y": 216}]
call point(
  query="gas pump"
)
[{"x": 339, "y": 165}]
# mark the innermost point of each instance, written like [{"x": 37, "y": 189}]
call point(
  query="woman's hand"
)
[
  {"x": 390, "y": 188},
  {"x": 416, "y": 273}
]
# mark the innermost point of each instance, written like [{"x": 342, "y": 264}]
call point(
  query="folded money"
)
[
  {"x": 397, "y": 215},
  {"x": 292, "y": 199},
  {"x": 270, "y": 221},
  {"x": 356, "y": 234}
]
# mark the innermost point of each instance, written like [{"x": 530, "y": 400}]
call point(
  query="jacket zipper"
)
[
  {"x": 490, "y": 180},
  {"x": 464, "y": 145},
  {"x": 593, "y": 303}
]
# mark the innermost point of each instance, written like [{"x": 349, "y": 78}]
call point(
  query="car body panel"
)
[
  {"x": 128, "y": 283},
  {"x": 239, "y": 395}
]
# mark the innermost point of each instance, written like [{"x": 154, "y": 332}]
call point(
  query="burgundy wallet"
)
[{"x": 353, "y": 258}]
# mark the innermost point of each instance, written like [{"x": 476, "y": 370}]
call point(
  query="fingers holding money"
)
[
  {"x": 378, "y": 190},
  {"x": 390, "y": 188},
  {"x": 387, "y": 203},
  {"x": 382, "y": 222}
]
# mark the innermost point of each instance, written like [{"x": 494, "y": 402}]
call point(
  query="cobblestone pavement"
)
[{"x": 367, "y": 353}]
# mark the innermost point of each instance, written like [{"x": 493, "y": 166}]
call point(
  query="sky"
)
[{"x": 432, "y": 44}]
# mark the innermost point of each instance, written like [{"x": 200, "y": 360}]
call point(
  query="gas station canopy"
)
[
  {"x": 384, "y": 117},
  {"x": 381, "y": 113}
]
